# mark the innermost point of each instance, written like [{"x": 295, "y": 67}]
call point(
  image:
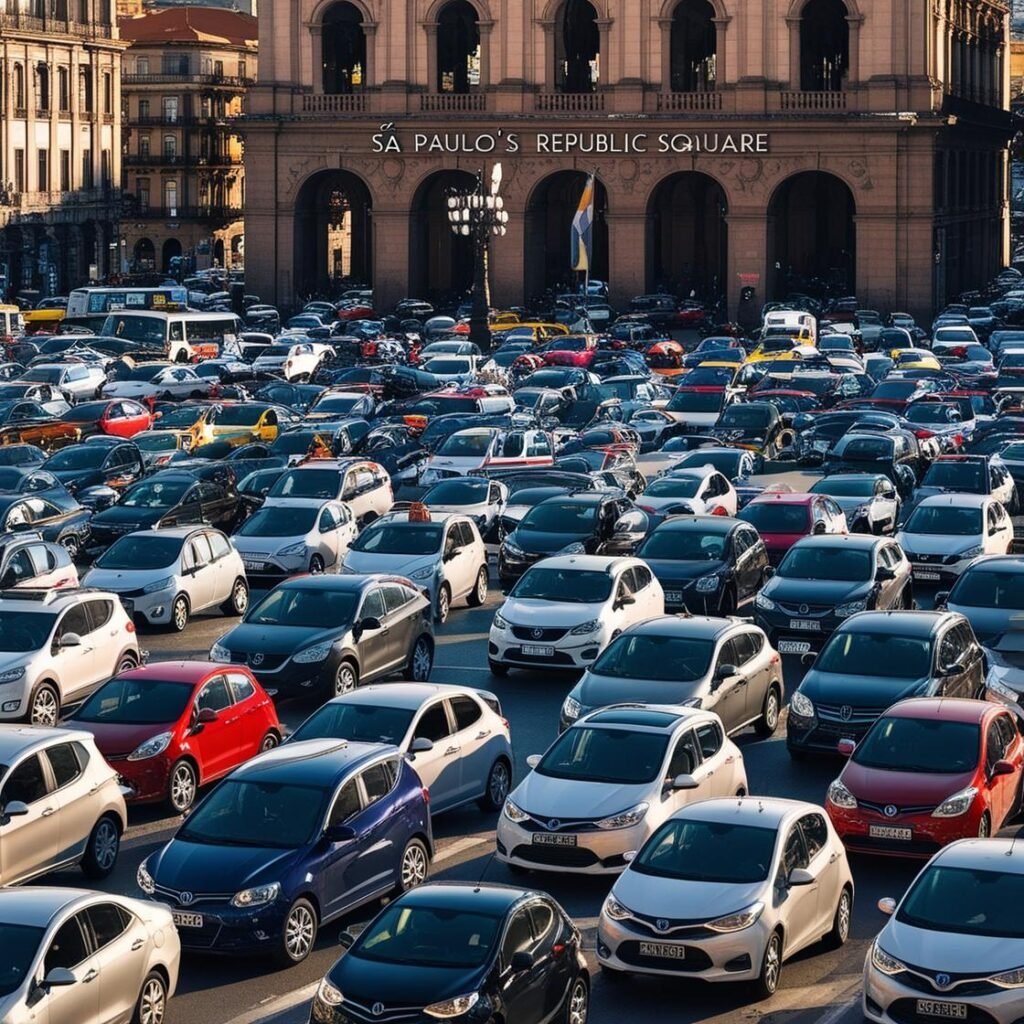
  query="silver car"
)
[
  {"x": 76, "y": 957},
  {"x": 60, "y": 805}
]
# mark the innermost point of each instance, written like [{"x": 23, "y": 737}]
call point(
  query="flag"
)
[{"x": 581, "y": 234}]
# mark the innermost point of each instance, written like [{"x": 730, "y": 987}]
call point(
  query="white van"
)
[
  {"x": 800, "y": 325},
  {"x": 183, "y": 336}
]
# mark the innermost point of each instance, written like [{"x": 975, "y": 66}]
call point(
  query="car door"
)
[
  {"x": 76, "y": 808},
  {"x": 217, "y": 506},
  {"x": 550, "y": 951},
  {"x": 29, "y": 842},
  {"x": 18, "y": 569},
  {"x": 216, "y": 743},
  {"x": 885, "y": 505},
  {"x": 345, "y": 532},
  {"x": 119, "y": 941},
  {"x": 472, "y": 737},
  {"x": 76, "y": 666},
  {"x": 647, "y": 593},
  {"x": 826, "y": 868},
  {"x": 717, "y": 762},
  {"x": 798, "y": 903},
  {"x": 331, "y": 868},
  {"x": 1003, "y": 536},
  {"x": 401, "y": 623},
  {"x": 685, "y": 760},
  {"x": 1002, "y": 789},
  {"x": 224, "y": 567},
  {"x": 250, "y": 710},
  {"x": 45, "y": 565},
  {"x": 201, "y": 583},
  {"x": 468, "y": 559},
  {"x": 439, "y": 768},
  {"x": 71, "y": 949},
  {"x": 729, "y": 691},
  {"x": 375, "y": 646},
  {"x": 521, "y": 992}
]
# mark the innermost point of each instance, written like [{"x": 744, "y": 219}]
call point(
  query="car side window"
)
[
  {"x": 433, "y": 724},
  {"x": 627, "y": 584},
  {"x": 373, "y": 604},
  {"x": 542, "y": 918},
  {"x": 26, "y": 782},
  {"x": 995, "y": 745},
  {"x": 328, "y": 521},
  {"x": 19, "y": 568},
  {"x": 815, "y": 834},
  {"x": 1008, "y": 730},
  {"x": 241, "y": 686},
  {"x": 741, "y": 542},
  {"x": 76, "y": 620},
  {"x": 396, "y": 597},
  {"x": 219, "y": 544},
  {"x": 214, "y": 696},
  {"x": 108, "y": 922},
  {"x": 709, "y": 738},
  {"x": 68, "y": 948},
  {"x": 728, "y": 655},
  {"x": 377, "y": 782},
  {"x": 99, "y": 613},
  {"x": 467, "y": 712},
  {"x": 201, "y": 552},
  {"x": 465, "y": 534},
  {"x": 794, "y": 855},
  {"x": 518, "y": 936},
  {"x": 685, "y": 757},
  {"x": 949, "y": 649},
  {"x": 347, "y": 805},
  {"x": 493, "y": 494},
  {"x": 63, "y": 759},
  {"x": 642, "y": 576}
]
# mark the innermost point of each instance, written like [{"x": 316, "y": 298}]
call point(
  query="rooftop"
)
[{"x": 191, "y": 25}]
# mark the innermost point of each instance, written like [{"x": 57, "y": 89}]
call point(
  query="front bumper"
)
[
  {"x": 146, "y": 779},
  {"x": 511, "y": 568},
  {"x": 155, "y": 608},
  {"x": 568, "y": 652},
  {"x": 14, "y": 699},
  {"x": 938, "y": 568},
  {"x": 787, "y": 638},
  {"x": 227, "y": 929},
  {"x": 595, "y": 851},
  {"x": 683, "y": 596},
  {"x": 927, "y": 834},
  {"x": 820, "y": 735},
  {"x": 281, "y": 676}
]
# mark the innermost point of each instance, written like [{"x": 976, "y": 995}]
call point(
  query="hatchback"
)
[
  {"x": 782, "y": 518},
  {"x": 292, "y": 839},
  {"x": 26, "y": 560},
  {"x": 990, "y": 592}
]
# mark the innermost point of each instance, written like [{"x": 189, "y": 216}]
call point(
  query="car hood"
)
[
  {"x": 545, "y": 798},
  {"x": 943, "y": 951},
  {"x": 268, "y": 545},
  {"x": 905, "y": 789},
  {"x": 118, "y": 515},
  {"x": 816, "y": 591},
  {"x": 987, "y": 623},
  {"x": 528, "y": 612},
  {"x": 543, "y": 543},
  {"x": 695, "y": 901},
  {"x": 657, "y": 504},
  {"x": 119, "y": 580},
  {"x": 461, "y": 463},
  {"x": 850, "y": 504},
  {"x": 859, "y": 691},
  {"x": 781, "y": 541},
  {"x": 121, "y": 739},
  {"x": 364, "y": 981},
  {"x": 79, "y": 477},
  {"x": 249, "y": 638},
  {"x": 667, "y": 569},
  {"x": 598, "y": 691},
  {"x": 936, "y": 544},
  {"x": 208, "y": 868},
  {"x": 128, "y": 388},
  {"x": 401, "y": 565}
]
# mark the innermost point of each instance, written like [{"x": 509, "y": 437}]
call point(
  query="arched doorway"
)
[
  {"x": 458, "y": 47},
  {"x": 171, "y": 250},
  {"x": 824, "y": 45},
  {"x": 686, "y": 236},
  {"x": 144, "y": 255},
  {"x": 812, "y": 237},
  {"x": 577, "y": 48},
  {"x": 218, "y": 252},
  {"x": 440, "y": 262},
  {"x": 549, "y": 213},
  {"x": 343, "y": 47},
  {"x": 692, "y": 43}
]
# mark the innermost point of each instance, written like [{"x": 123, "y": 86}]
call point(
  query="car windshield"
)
[
  {"x": 307, "y": 608},
  {"x": 560, "y": 517},
  {"x": 24, "y": 631},
  {"x": 141, "y": 551},
  {"x": 707, "y": 851},
  {"x": 356, "y": 722},
  {"x": 662, "y": 658},
  {"x": 846, "y": 487},
  {"x": 575, "y": 586},
  {"x": 696, "y": 401},
  {"x": 249, "y": 813},
  {"x": 448, "y": 364},
  {"x": 426, "y": 936},
  {"x": 696, "y": 545},
  {"x": 79, "y": 456},
  {"x": 85, "y": 412},
  {"x": 745, "y": 416},
  {"x": 865, "y": 448},
  {"x": 400, "y": 539},
  {"x": 136, "y": 702},
  {"x": 19, "y": 943},
  {"x": 728, "y": 463},
  {"x": 945, "y": 520},
  {"x": 876, "y": 654},
  {"x": 279, "y": 521},
  {"x": 965, "y": 901},
  {"x": 776, "y": 517},
  {"x": 148, "y": 330},
  {"x": 929, "y": 745},
  {"x": 156, "y": 494},
  {"x": 674, "y": 487},
  {"x": 987, "y": 588},
  {"x": 186, "y": 416},
  {"x": 616, "y": 757},
  {"x": 307, "y": 483},
  {"x": 236, "y": 415},
  {"x": 43, "y": 374},
  {"x": 338, "y": 403},
  {"x": 156, "y": 442},
  {"x": 461, "y": 444},
  {"x": 815, "y": 562},
  {"x": 966, "y": 477},
  {"x": 464, "y": 491}
]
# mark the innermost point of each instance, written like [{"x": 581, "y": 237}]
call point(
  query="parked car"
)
[
  {"x": 869, "y": 501},
  {"x": 26, "y": 560},
  {"x": 364, "y": 486},
  {"x": 781, "y": 518},
  {"x": 79, "y": 380},
  {"x": 100, "y": 463},
  {"x": 990, "y": 593},
  {"x": 119, "y": 418},
  {"x": 158, "y": 381},
  {"x": 693, "y": 490}
]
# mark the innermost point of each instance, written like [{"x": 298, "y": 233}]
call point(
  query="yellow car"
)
[
  {"x": 240, "y": 423},
  {"x": 908, "y": 359},
  {"x": 504, "y": 318},
  {"x": 778, "y": 347},
  {"x": 188, "y": 421},
  {"x": 541, "y": 331},
  {"x": 158, "y": 446},
  {"x": 44, "y": 320}
]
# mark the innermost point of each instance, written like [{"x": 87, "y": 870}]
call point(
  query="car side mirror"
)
[
  {"x": 58, "y": 977},
  {"x": 1002, "y": 768},
  {"x": 421, "y": 745},
  {"x": 887, "y": 905},
  {"x": 684, "y": 782},
  {"x": 346, "y": 939},
  {"x": 521, "y": 961},
  {"x": 533, "y": 760},
  {"x": 819, "y": 528},
  {"x": 800, "y": 876},
  {"x": 339, "y": 833},
  {"x": 725, "y": 671},
  {"x": 206, "y": 716},
  {"x": 70, "y": 640},
  {"x": 941, "y": 598},
  {"x": 368, "y": 623},
  {"x": 13, "y": 809},
  {"x": 846, "y": 747},
  {"x": 884, "y": 574},
  {"x": 623, "y": 601}
]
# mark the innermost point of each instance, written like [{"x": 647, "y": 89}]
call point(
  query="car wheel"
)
[
  {"x": 985, "y": 826},
  {"x": 841, "y": 921},
  {"x": 346, "y": 678},
  {"x": 127, "y": 664},
  {"x": 179, "y": 613},
  {"x": 577, "y": 1003},
  {"x": 478, "y": 594},
  {"x": 316, "y": 565},
  {"x": 444, "y": 604},
  {"x": 413, "y": 867},
  {"x": 69, "y": 542},
  {"x": 237, "y": 603},
  {"x": 771, "y": 967},
  {"x": 298, "y": 934},
  {"x": 182, "y": 786},
  {"x": 769, "y": 720},
  {"x": 44, "y": 705},
  {"x": 152, "y": 1002},
  {"x": 499, "y": 782},
  {"x": 421, "y": 661},
  {"x": 269, "y": 741},
  {"x": 102, "y": 848},
  {"x": 497, "y": 668}
]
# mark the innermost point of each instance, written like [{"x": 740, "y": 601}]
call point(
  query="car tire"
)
[
  {"x": 70, "y": 543},
  {"x": 421, "y": 660},
  {"x": 499, "y": 785},
  {"x": 443, "y": 605},
  {"x": 985, "y": 826},
  {"x": 102, "y": 849},
  {"x": 43, "y": 705},
  {"x": 346, "y": 677},
  {"x": 577, "y": 1001},
  {"x": 127, "y": 664},
  {"x": 238, "y": 602},
  {"x": 151, "y": 1006},
  {"x": 770, "y": 712},
  {"x": 179, "y": 614},
  {"x": 298, "y": 934},
  {"x": 478, "y": 594},
  {"x": 413, "y": 867},
  {"x": 269, "y": 741},
  {"x": 497, "y": 668},
  {"x": 836, "y": 938},
  {"x": 767, "y": 982},
  {"x": 182, "y": 786},
  {"x": 316, "y": 565}
]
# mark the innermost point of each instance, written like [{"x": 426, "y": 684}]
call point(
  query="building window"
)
[
  {"x": 343, "y": 44},
  {"x": 206, "y": 107},
  {"x": 142, "y": 191},
  {"x": 85, "y": 91},
  {"x": 170, "y": 109},
  {"x": 105, "y": 176},
  {"x": 64, "y": 88},
  {"x": 170, "y": 145},
  {"x": 43, "y": 177},
  {"x": 824, "y": 46},
  {"x": 83, "y": 12},
  {"x": 577, "y": 48},
  {"x": 171, "y": 198},
  {"x": 242, "y": 69},
  {"x": 19, "y": 87},
  {"x": 42, "y": 87},
  {"x": 108, "y": 93},
  {"x": 458, "y": 47},
  {"x": 175, "y": 64},
  {"x": 142, "y": 66},
  {"x": 143, "y": 110},
  {"x": 19, "y": 170},
  {"x": 65, "y": 170},
  {"x": 87, "y": 178},
  {"x": 692, "y": 43},
  {"x": 143, "y": 145}
]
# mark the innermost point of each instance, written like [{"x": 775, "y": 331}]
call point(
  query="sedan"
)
[
  {"x": 694, "y": 490},
  {"x": 159, "y": 380},
  {"x": 119, "y": 418},
  {"x": 782, "y": 518},
  {"x": 990, "y": 592}
]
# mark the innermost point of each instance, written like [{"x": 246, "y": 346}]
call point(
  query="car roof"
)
[
  {"x": 482, "y": 897},
  {"x": 588, "y": 563},
  {"x": 857, "y": 541},
  {"x": 649, "y": 717},
  {"x": 948, "y": 709},
  {"x": 994, "y": 854},
  {"x": 179, "y": 532},
  {"x": 698, "y": 627},
  {"x": 1001, "y": 562},
  {"x": 757, "y": 811},
  {"x": 578, "y": 497},
  {"x": 311, "y": 762},
  {"x": 785, "y": 498},
  {"x": 179, "y": 671},
  {"x": 408, "y": 696},
  {"x": 349, "y": 581},
  {"x": 897, "y": 623},
  {"x": 16, "y": 740},
  {"x": 957, "y": 500},
  {"x": 37, "y": 905},
  {"x": 716, "y": 525}
]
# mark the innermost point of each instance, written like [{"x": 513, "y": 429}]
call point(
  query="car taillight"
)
[
  {"x": 924, "y": 433},
  {"x": 504, "y": 722},
  {"x": 719, "y": 511},
  {"x": 130, "y": 626},
  {"x": 426, "y": 795}
]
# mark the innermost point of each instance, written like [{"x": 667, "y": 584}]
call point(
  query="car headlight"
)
[
  {"x": 164, "y": 584},
  {"x": 144, "y": 880},
  {"x": 153, "y": 746},
  {"x": 257, "y": 896},
  {"x": 738, "y": 921},
  {"x": 318, "y": 652},
  {"x": 590, "y": 626},
  {"x": 571, "y": 708},
  {"x": 514, "y": 813},
  {"x": 766, "y": 604},
  {"x": 425, "y": 573},
  {"x": 957, "y": 804},
  {"x": 513, "y": 550},
  {"x": 12, "y": 675},
  {"x": 219, "y": 653},
  {"x": 706, "y": 584},
  {"x": 575, "y": 548},
  {"x": 626, "y": 819},
  {"x": 500, "y": 622},
  {"x": 692, "y": 702},
  {"x": 972, "y": 552},
  {"x": 850, "y": 608},
  {"x": 885, "y": 963},
  {"x": 801, "y": 705},
  {"x": 294, "y": 549},
  {"x": 839, "y": 795},
  {"x": 453, "y": 1007},
  {"x": 615, "y": 910},
  {"x": 329, "y": 994},
  {"x": 1009, "y": 979}
]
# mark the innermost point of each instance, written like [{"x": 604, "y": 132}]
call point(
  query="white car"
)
[
  {"x": 953, "y": 946},
  {"x": 56, "y": 646},
  {"x": 159, "y": 380},
  {"x": 280, "y": 540},
  {"x": 444, "y": 557},
  {"x": 454, "y": 736},
  {"x": 946, "y": 531},
  {"x": 564, "y": 610},
  {"x": 80, "y": 381},
  {"x": 727, "y": 890},
  {"x": 481, "y": 499},
  {"x": 451, "y": 369},
  {"x": 869, "y": 501},
  {"x": 609, "y": 781},
  {"x": 26, "y": 560},
  {"x": 300, "y": 359},
  {"x": 167, "y": 576},
  {"x": 364, "y": 486},
  {"x": 697, "y": 489},
  {"x": 476, "y": 448}
]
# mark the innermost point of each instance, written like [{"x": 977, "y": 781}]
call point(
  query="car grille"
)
[
  {"x": 904, "y": 1011},
  {"x": 201, "y": 938},
  {"x": 110, "y": 758},
  {"x": 564, "y": 824},
  {"x": 351, "y": 1012},
  {"x": 935, "y": 559},
  {"x": 198, "y": 897},
  {"x": 814, "y": 611},
  {"x": 970, "y": 986},
  {"x": 537, "y": 633},
  {"x": 880, "y": 809},
  {"x": 696, "y": 959},
  {"x": 857, "y": 716},
  {"x": 557, "y": 856},
  {"x": 267, "y": 662},
  {"x": 694, "y": 929}
]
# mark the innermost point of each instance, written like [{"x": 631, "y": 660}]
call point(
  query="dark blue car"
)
[{"x": 291, "y": 839}]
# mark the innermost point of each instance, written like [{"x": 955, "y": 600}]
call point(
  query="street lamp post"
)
[{"x": 479, "y": 215}]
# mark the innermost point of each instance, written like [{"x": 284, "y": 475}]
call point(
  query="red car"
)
[
  {"x": 929, "y": 771},
  {"x": 571, "y": 350},
  {"x": 784, "y": 517},
  {"x": 171, "y": 727},
  {"x": 119, "y": 417},
  {"x": 356, "y": 312}
]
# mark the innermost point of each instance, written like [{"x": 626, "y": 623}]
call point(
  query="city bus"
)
[{"x": 88, "y": 307}]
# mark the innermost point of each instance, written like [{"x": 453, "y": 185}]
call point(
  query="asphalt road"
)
[{"x": 816, "y": 987}]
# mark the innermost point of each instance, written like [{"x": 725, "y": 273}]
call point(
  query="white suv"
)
[
  {"x": 56, "y": 646},
  {"x": 364, "y": 486}
]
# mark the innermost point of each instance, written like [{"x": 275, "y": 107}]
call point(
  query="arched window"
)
[
  {"x": 170, "y": 145},
  {"x": 343, "y": 44},
  {"x": 458, "y": 47},
  {"x": 19, "y": 86},
  {"x": 578, "y": 48},
  {"x": 692, "y": 43},
  {"x": 824, "y": 46}
]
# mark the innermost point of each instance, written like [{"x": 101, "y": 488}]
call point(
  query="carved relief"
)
[{"x": 302, "y": 169}]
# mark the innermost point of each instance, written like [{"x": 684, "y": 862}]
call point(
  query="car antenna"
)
[{"x": 486, "y": 867}]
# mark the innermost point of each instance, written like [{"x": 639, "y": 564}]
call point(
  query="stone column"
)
[
  {"x": 390, "y": 254},
  {"x": 548, "y": 28},
  {"x": 604, "y": 26},
  {"x": 854, "y": 25},
  {"x": 721, "y": 24},
  {"x": 665, "y": 27},
  {"x": 747, "y": 253},
  {"x": 626, "y": 253},
  {"x": 316, "y": 36},
  {"x": 485, "y": 28},
  {"x": 370, "y": 71},
  {"x": 794, "y": 52},
  {"x": 430, "y": 31},
  {"x": 507, "y": 261}
]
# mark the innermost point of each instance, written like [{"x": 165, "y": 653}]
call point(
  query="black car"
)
[
  {"x": 706, "y": 564},
  {"x": 464, "y": 953},
  {"x": 569, "y": 524},
  {"x": 64, "y": 521},
  {"x": 754, "y": 425},
  {"x": 864, "y": 451},
  {"x": 21, "y": 455},
  {"x": 396, "y": 447},
  {"x": 296, "y": 396},
  {"x": 102, "y": 461}
]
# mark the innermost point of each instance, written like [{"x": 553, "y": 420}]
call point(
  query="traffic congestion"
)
[{"x": 354, "y": 668}]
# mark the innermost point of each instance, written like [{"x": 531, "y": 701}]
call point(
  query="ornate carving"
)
[{"x": 301, "y": 169}]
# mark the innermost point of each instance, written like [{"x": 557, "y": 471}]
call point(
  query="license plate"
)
[
  {"x": 948, "y": 1011},
  {"x": 890, "y": 832},
  {"x": 664, "y": 950},
  {"x": 794, "y": 647},
  {"x": 187, "y": 920},
  {"x": 805, "y": 624},
  {"x": 538, "y": 652},
  {"x": 254, "y": 566},
  {"x": 673, "y": 596},
  {"x": 925, "y": 574},
  {"x": 553, "y": 839}
]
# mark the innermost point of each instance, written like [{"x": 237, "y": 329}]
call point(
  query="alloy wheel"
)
[
  {"x": 843, "y": 917},
  {"x": 183, "y": 787},
  {"x": 298, "y": 932},
  {"x": 422, "y": 661},
  {"x": 498, "y": 784},
  {"x": 344, "y": 679},
  {"x": 179, "y": 614},
  {"x": 240, "y": 598},
  {"x": 104, "y": 845},
  {"x": 772, "y": 963},
  {"x": 44, "y": 707},
  {"x": 152, "y": 1002},
  {"x": 579, "y": 1003},
  {"x": 414, "y": 866}
]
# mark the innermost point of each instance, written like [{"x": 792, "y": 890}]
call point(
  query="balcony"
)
[
  {"x": 813, "y": 101},
  {"x": 687, "y": 102},
  {"x": 185, "y": 121},
  {"x": 217, "y": 213},
  {"x": 453, "y": 102},
  {"x": 334, "y": 103},
  {"x": 154, "y": 160},
  {"x": 222, "y": 81},
  {"x": 569, "y": 102}
]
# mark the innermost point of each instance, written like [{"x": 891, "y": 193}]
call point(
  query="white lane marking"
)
[
  {"x": 274, "y": 1005},
  {"x": 842, "y": 1007},
  {"x": 460, "y": 845}
]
